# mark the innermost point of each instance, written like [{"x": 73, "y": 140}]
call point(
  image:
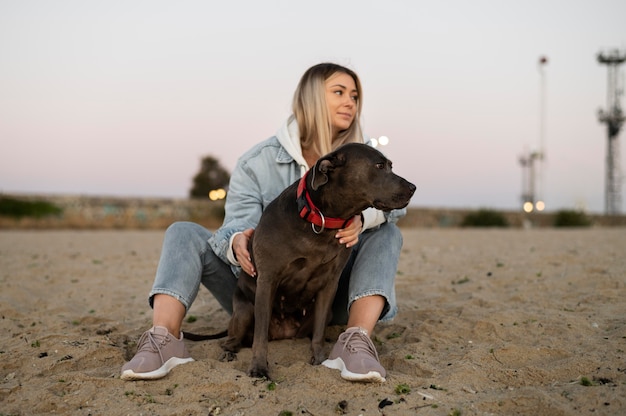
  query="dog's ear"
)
[
  {"x": 320, "y": 173},
  {"x": 324, "y": 166}
]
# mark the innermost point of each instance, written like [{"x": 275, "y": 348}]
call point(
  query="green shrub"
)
[
  {"x": 571, "y": 218},
  {"x": 18, "y": 208},
  {"x": 484, "y": 218}
]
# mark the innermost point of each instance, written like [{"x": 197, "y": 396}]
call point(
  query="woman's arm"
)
[{"x": 244, "y": 205}]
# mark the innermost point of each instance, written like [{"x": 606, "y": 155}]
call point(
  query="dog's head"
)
[{"x": 357, "y": 176}]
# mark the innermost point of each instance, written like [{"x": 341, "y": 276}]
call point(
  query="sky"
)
[{"x": 125, "y": 97}]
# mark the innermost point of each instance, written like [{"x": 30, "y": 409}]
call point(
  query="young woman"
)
[{"x": 326, "y": 111}]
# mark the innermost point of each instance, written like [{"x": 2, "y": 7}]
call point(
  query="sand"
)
[{"x": 528, "y": 322}]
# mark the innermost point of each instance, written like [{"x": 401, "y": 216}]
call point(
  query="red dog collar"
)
[{"x": 312, "y": 214}]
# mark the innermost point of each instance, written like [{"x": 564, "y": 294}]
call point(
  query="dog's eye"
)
[{"x": 380, "y": 166}]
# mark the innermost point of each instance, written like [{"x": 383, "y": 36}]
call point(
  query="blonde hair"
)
[{"x": 311, "y": 111}]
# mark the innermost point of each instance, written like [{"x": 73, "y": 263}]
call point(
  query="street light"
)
[{"x": 381, "y": 141}]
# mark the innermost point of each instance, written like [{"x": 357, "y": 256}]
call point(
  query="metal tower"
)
[
  {"x": 532, "y": 172},
  {"x": 529, "y": 176},
  {"x": 614, "y": 118}
]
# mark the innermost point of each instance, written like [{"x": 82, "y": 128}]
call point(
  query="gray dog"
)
[{"x": 297, "y": 257}]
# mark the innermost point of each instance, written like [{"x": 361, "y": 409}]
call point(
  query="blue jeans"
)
[{"x": 187, "y": 261}]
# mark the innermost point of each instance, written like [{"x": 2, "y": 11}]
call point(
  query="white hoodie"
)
[{"x": 289, "y": 137}]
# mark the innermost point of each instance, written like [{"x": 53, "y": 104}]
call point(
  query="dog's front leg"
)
[
  {"x": 264, "y": 299},
  {"x": 323, "y": 304}
]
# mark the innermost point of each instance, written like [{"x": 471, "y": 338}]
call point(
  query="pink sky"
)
[{"x": 125, "y": 97}]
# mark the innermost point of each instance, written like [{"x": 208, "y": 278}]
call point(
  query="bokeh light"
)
[
  {"x": 217, "y": 194},
  {"x": 528, "y": 207},
  {"x": 540, "y": 205}
]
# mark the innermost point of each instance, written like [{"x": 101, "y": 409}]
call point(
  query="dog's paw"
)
[
  {"x": 228, "y": 356},
  {"x": 317, "y": 360},
  {"x": 258, "y": 372}
]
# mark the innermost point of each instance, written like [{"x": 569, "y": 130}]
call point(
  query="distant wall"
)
[
  {"x": 83, "y": 212},
  {"x": 447, "y": 217},
  {"x": 87, "y": 212}
]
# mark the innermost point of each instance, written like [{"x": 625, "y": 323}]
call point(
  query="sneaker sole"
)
[
  {"x": 338, "y": 364},
  {"x": 158, "y": 373}
]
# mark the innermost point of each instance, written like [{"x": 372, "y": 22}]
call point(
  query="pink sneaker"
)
[
  {"x": 355, "y": 356},
  {"x": 157, "y": 353}
]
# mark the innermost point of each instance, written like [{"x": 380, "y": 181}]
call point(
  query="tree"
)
[{"x": 212, "y": 176}]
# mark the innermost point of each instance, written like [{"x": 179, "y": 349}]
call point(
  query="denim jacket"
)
[{"x": 260, "y": 175}]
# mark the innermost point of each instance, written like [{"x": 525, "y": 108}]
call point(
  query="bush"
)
[
  {"x": 571, "y": 218},
  {"x": 18, "y": 208},
  {"x": 212, "y": 176},
  {"x": 484, "y": 218}
]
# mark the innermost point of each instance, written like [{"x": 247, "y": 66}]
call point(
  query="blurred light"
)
[
  {"x": 383, "y": 140},
  {"x": 528, "y": 207},
  {"x": 374, "y": 142},
  {"x": 540, "y": 205},
  {"x": 217, "y": 194}
]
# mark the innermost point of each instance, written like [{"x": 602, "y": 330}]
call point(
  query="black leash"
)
[{"x": 197, "y": 337}]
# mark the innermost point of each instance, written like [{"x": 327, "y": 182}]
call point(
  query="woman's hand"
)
[
  {"x": 240, "y": 249},
  {"x": 350, "y": 235}
]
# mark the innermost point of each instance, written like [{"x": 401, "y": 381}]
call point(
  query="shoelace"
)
[
  {"x": 357, "y": 341},
  {"x": 153, "y": 344}
]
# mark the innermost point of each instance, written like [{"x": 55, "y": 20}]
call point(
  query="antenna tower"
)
[{"x": 614, "y": 118}]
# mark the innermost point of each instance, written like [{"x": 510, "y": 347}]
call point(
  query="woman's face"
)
[{"x": 341, "y": 99}]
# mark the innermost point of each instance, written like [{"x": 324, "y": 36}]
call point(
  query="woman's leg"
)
[
  {"x": 168, "y": 312},
  {"x": 370, "y": 272},
  {"x": 186, "y": 261},
  {"x": 365, "y": 311},
  {"x": 366, "y": 295}
]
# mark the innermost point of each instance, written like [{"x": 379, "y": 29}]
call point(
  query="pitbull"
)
[{"x": 297, "y": 257}]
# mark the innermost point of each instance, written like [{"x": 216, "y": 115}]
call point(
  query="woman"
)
[{"x": 326, "y": 112}]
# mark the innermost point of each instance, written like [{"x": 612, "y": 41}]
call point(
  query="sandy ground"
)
[{"x": 529, "y": 322}]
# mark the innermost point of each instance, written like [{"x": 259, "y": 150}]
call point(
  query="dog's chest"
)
[{"x": 304, "y": 276}]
